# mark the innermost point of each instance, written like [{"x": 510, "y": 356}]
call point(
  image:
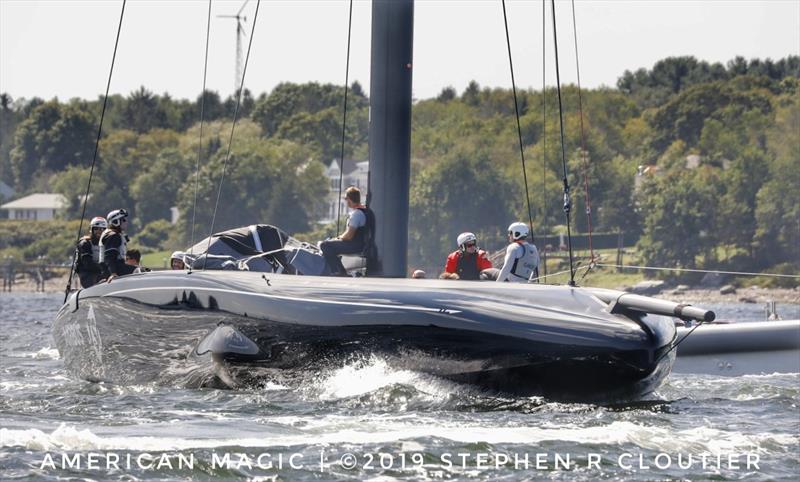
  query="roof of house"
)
[
  {"x": 37, "y": 201},
  {"x": 350, "y": 165}
]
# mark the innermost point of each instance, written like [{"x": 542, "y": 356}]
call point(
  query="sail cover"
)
[{"x": 243, "y": 242}]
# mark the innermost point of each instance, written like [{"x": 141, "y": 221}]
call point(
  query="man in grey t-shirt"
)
[{"x": 360, "y": 226}]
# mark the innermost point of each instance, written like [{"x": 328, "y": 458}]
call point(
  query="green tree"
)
[
  {"x": 155, "y": 190},
  {"x": 153, "y": 235},
  {"x": 287, "y": 100},
  {"x": 143, "y": 111},
  {"x": 52, "y": 138},
  {"x": 265, "y": 180},
  {"x": 684, "y": 117},
  {"x": 736, "y": 222},
  {"x": 9, "y": 118},
  {"x": 778, "y": 200},
  {"x": 462, "y": 193},
  {"x": 471, "y": 94},
  {"x": 678, "y": 211}
]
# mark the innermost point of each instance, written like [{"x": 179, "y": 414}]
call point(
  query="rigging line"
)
[
  {"x": 233, "y": 127},
  {"x": 94, "y": 156},
  {"x": 680, "y": 341},
  {"x": 567, "y": 201},
  {"x": 519, "y": 128},
  {"x": 200, "y": 142},
  {"x": 588, "y": 202},
  {"x": 659, "y": 268},
  {"x": 544, "y": 139},
  {"x": 587, "y": 267},
  {"x": 344, "y": 120}
]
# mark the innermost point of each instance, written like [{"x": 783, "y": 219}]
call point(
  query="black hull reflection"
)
[{"x": 203, "y": 332}]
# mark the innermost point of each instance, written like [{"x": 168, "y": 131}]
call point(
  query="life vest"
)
[
  {"x": 467, "y": 266},
  {"x": 366, "y": 233},
  {"x": 86, "y": 245},
  {"x": 108, "y": 241},
  {"x": 524, "y": 266}
]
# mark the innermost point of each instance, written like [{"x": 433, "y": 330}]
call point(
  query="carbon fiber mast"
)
[{"x": 390, "y": 130}]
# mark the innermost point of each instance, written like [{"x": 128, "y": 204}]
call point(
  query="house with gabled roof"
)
[{"x": 35, "y": 207}]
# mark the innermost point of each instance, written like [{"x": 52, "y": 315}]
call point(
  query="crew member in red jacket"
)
[{"x": 467, "y": 261}]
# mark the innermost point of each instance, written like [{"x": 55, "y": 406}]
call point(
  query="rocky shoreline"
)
[
  {"x": 715, "y": 294},
  {"x": 752, "y": 294}
]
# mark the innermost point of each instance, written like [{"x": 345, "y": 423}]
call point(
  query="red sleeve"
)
[
  {"x": 483, "y": 261},
  {"x": 452, "y": 262}
]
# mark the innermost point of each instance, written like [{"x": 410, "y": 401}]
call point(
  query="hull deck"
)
[{"x": 553, "y": 341}]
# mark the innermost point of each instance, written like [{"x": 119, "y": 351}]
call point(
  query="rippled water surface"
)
[{"x": 367, "y": 421}]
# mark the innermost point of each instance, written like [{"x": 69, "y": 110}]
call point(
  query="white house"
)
[
  {"x": 36, "y": 207},
  {"x": 356, "y": 173}
]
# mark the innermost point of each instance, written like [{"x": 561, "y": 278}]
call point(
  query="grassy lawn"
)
[
  {"x": 156, "y": 260},
  {"x": 600, "y": 277}
]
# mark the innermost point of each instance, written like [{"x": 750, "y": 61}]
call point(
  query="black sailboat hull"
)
[{"x": 228, "y": 327}]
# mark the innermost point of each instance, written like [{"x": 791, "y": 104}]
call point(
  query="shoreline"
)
[{"x": 749, "y": 295}]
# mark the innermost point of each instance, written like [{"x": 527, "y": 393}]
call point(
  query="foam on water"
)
[
  {"x": 373, "y": 381},
  {"x": 46, "y": 353},
  {"x": 358, "y": 430},
  {"x": 361, "y": 377}
]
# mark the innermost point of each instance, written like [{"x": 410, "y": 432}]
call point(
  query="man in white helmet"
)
[
  {"x": 113, "y": 245},
  {"x": 468, "y": 260},
  {"x": 88, "y": 266},
  {"x": 176, "y": 261},
  {"x": 522, "y": 258}
]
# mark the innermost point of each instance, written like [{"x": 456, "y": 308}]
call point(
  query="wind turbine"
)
[{"x": 240, "y": 33}]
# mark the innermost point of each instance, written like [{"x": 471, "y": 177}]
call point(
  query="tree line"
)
[{"x": 697, "y": 161}]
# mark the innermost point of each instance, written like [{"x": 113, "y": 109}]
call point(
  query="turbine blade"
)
[{"x": 243, "y": 5}]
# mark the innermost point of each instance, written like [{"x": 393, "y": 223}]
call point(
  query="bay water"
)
[{"x": 368, "y": 421}]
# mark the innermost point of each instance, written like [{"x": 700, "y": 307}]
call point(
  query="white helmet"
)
[
  {"x": 518, "y": 231},
  {"x": 116, "y": 216},
  {"x": 98, "y": 222},
  {"x": 465, "y": 238},
  {"x": 177, "y": 255}
]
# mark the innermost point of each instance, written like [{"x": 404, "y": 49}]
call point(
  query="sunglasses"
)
[{"x": 470, "y": 245}]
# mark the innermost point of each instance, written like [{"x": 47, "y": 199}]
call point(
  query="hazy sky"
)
[{"x": 63, "y": 48}]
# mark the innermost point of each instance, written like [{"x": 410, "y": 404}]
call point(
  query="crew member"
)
[
  {"x": 176, "y": 261},
  {"x": 522, "y": 258},
  {"x": 133, "y": 257},
  {"x": 468, "y": 260},
  {"x": 113, "y": 245},
  {"x": 357, "y": 238},
  {"x": 88, "y": 267}
]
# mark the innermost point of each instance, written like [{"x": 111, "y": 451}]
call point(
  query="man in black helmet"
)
[{"x": 113, "y": 245}]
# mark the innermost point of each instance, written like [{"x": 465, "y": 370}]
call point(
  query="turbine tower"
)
[{"x": 240, "y": 33}]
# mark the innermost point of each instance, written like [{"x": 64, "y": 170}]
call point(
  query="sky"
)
[{"x": 64, "y": 48}]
